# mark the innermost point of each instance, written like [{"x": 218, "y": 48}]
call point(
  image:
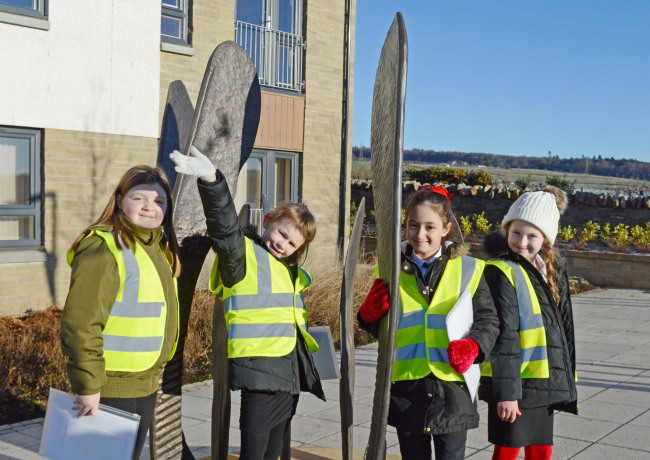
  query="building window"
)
[
  {"x": 20, "y": 188},
  {"x": 271, "y": 32},
  {"x": 174, "y": 22},
  {"x": 35, "y": 8},
  {"x": 268, "y": 178}
]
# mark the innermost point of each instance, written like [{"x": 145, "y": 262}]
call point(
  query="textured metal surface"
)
[
  {"x": 220, "y": 392},
  {"x": 346, "y": 384},
  {"x": 387, "y": 134},
  {"x": 165, "y": 432},
  {"x": 166, "y": 440},
  {"x": 223, "y": 128},
  {"x": 175, "y": 127}
]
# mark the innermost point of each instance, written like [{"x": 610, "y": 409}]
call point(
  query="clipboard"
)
[
  {"x": 459, "y": 322},
  {"x": 325, "y": 357},
  {"x": 108, "y": 435}
]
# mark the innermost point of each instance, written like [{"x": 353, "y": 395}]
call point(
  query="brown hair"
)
[
  {"x": 110, "y": 218},
  {"x": 302, "y": 218},
  {"x": 440, "y": 205},
  {"x": 548, "y": 256}
]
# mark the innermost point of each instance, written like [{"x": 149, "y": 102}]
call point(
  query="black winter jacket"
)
[
  {"x": 430, "y": 405},
  {"x": 559, "y": 390},
  {"x": 292, "y": 373}
]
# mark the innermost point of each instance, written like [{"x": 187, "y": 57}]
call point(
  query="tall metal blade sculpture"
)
[
  {"x": 387, "y": 135},
  {"x": 346, "y": 384},
  {"x": 165, "y": 433},
  {"x": 176, "y": 123},
  {"x": 223, "y": 127}
]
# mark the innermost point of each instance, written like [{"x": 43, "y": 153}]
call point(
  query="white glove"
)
[{"x": 195, "y": 164}]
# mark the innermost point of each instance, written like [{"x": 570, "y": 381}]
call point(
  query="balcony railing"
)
[{"x": 277, "y": 55}]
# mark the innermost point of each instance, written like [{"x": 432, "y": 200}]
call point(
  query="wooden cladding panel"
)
[{"x": 282, "y": 122}]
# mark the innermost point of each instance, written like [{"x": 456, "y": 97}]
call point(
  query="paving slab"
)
[
  {"x": 605, "y": 452},
  {"x": 613, "y": 352},
  {"x": 629, "y": 436}
]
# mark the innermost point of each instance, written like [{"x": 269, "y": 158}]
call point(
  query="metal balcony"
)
[{"x": 277, "y": 55}]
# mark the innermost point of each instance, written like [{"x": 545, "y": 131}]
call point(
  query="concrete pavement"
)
[{"x": 613, "y": 352}]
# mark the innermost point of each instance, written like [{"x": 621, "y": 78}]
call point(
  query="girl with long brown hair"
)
[{"x": 120, "y": 321}]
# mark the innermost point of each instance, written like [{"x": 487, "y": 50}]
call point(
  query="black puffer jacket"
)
[
  {"x": 559, "y": 390},
  {"x": 430, "y": 405},
  {"x": 292, "y": 373}
]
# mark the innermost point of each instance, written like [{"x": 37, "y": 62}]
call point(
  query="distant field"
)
[{"x": 586, "y": 182}]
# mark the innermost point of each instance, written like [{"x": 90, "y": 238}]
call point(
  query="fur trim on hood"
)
[
  {"x": 495, "y": 244},
  {"x": 458, "y": 250}
]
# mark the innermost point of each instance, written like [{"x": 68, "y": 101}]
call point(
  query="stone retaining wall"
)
[
  {"x": 495, "y": 202},
  {"x": 602, "y": 269}
]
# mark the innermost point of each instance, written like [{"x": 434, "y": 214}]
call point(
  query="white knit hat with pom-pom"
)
[{"x": 539, "y": 209}]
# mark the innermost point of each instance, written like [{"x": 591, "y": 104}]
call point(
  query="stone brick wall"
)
[
  {"x": 321, "y": 160},
  {"x": 80, "y": 171},
  {"x": 602, "y": 269},
  {"x": 579, "y": 212}
]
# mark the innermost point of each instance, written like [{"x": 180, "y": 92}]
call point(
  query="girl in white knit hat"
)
[{"x": 530, "y": 372}]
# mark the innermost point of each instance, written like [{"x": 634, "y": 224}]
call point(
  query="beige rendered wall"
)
[{"x": 321, "y": 162}]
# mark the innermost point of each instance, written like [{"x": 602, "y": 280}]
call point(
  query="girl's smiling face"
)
[
  {"x": 525, "y": 239},
  {"x": 145, "y": 205},
  {"x": 425, "y": 230},
  {"x": 283, "y": 238}
]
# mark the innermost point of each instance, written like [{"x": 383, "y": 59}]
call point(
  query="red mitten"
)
[
  {"x": 376, "y": 304},
  {"x": 462, "y": 354}
]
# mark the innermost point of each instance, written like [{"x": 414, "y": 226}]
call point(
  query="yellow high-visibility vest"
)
[
  {"x": 135, "y": 330},
  {"x": 421, "y": 340},
  {"x": 264, "y": 309},
  {"x": 532, "y": 336}
]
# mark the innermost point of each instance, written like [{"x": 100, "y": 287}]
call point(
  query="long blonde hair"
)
[
  {"x": 138, "y": 175},
  {"x": 548, "y": 256}
]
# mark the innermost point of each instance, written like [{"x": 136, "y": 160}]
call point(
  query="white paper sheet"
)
[
  {"x": 108, "y": 435},
  {"x": 325, "y": 357},
  {"x": 459, "y": 322}
]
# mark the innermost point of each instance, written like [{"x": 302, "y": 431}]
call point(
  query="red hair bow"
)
[{"x": 440, "y": 191}]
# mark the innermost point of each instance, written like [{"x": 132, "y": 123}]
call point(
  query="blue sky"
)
[{"x": 515, "y": 77}]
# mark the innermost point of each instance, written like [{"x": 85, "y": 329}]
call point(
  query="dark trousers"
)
[
  {"x": 264, "y": 445},
  {"x": 144, "y": 407},
  {"x": 417, "y": 446}
]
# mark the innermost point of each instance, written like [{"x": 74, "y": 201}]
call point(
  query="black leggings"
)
[
  {"x": 144, "y": 407},
  {"x": 264, "y": 445},
  {"x": 417, "y": 446}
]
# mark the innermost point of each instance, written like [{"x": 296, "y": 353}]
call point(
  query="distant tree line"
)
[{"x": 626, "y": 168}]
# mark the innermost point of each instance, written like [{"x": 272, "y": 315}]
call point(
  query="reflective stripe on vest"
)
[
  {"x": 135, "y": 330},
  {"x": 532, "y": 336},
  {"x": 264, "y": 308},
  {"x": 421, "y": 342}
]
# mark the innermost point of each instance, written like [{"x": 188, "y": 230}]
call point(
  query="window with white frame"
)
[
  {"x": 174, "y": 21},
  {"x": 36, "y": 8},
  {"x": 271, "y": 32},
  {"x": 20, "y": 188},
  {"x": 267, "y": 175}
]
